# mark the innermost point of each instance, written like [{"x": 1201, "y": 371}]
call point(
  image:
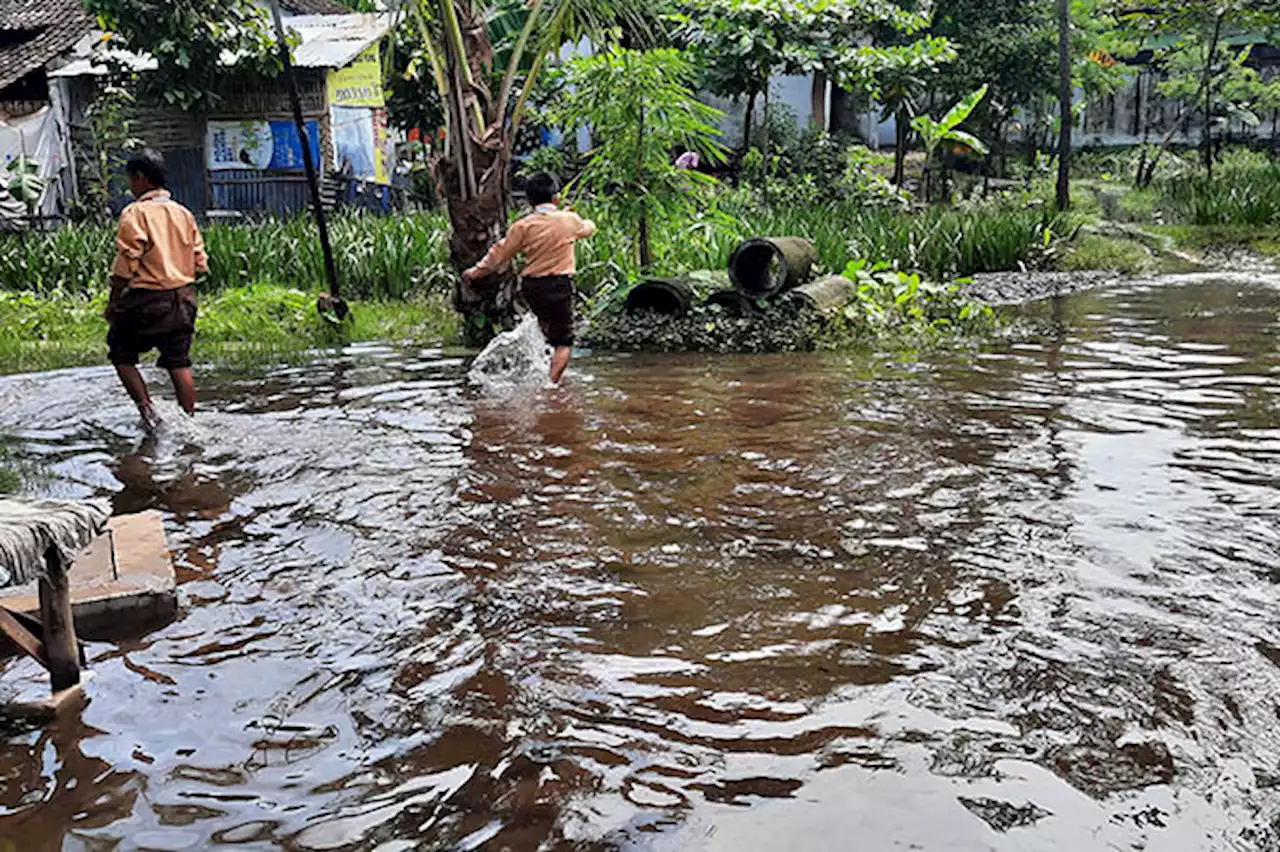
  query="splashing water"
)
[{"x": 513, "y": 360}]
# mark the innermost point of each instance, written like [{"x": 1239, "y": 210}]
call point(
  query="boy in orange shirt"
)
[
  {"x": 159, "y": 253},
  {"x": 546, "y": 237}
]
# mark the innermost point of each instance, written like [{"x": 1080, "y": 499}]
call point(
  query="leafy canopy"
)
[
  {"x": 189, "y": 40},
  {"x": 641, "y": 108},
  {"x": 742, "y": 43}
]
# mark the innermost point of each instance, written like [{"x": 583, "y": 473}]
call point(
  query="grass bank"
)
[
  {"x": 258, "y": 298},
  {"x": 42, "y": 331},
  {"x": 396, "y": 257}
]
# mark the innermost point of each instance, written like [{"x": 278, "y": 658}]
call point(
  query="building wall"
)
[
  {"x": 1138, "y": 112},
  {"x": 180, "y": 136}
]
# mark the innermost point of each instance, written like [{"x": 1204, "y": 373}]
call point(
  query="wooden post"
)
[
  {"x": 60, "y": 650},
  {"x": 326, "y": 249},
  {"x": 1063, "y": 191}
]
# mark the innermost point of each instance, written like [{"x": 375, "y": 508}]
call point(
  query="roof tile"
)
[{"x": 33, "y": 32}]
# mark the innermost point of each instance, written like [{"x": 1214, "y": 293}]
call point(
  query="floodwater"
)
[{"x": 1018, "y": 600}]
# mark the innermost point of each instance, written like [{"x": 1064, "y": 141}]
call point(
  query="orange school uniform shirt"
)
[
  {"x": 546, "y": 237},
  {"x": 158, "y": 245}
]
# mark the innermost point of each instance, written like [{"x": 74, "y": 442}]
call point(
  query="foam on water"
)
[{"x": 514, "y": 360}]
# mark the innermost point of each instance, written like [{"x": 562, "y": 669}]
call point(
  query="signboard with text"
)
[
  {"x": 359, "y": 84},
  {"x": 260, "y": 145}
]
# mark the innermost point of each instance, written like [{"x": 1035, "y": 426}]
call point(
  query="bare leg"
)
[
  {"x": 559, "y": 363},
  {"x": 137, "y": 388},
  {"x": 184, "y": 385}
]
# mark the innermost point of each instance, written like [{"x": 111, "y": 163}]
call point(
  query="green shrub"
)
[
  {"x": 1241, "y": 194},
  {"x": 400, "y": 256}
]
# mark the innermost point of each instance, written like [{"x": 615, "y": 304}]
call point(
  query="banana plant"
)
[
  {"x": 933, "y": 133},
  {"x": 24, "y": 183},
  {"x": 484, "y": 108}
]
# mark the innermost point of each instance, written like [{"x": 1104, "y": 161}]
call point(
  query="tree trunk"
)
[
  {"x": 1137, "y": 105},
  {"x": 645, "y": 249},
  {"x": 747, "y": 122},
  {"x": 1063, "y": 194},
  {"x": 844, "y": 114},
  {"x": 474, "y": 179},
  {"x": 764, "y": 146},
  {"x": 900, "y": 147},
  {"x": 818, "y": 101},
  {"x": 1207, "y": 85},
  {"x": 1033, "y": 134},
  {"x": 1002, "y": 150}
]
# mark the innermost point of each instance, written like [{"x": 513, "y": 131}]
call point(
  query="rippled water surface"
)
[{"x": 1019, "y": 600}]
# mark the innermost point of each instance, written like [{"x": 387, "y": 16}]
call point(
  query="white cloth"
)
[
  {"x": 29, "y": 527},
  {"x": 35, "y": 136}
]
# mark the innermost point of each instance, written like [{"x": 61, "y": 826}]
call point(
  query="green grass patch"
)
[
  {"x": 1095, "y": 251},
  {"x": 10, "y": 481},
  {"x": 1260, "y": 240},
  {"x": 939, "y": 242},
  {"x": 61, "y": 329}
]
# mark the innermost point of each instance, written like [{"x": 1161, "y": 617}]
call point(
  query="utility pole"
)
[
  {"x": 336, "y": 303},
  {"x": 1064, "y": 102}
]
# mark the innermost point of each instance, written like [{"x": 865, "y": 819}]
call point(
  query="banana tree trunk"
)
[
  {"x": 474, "y": 174},
  {"x": 901, "y": 125}
]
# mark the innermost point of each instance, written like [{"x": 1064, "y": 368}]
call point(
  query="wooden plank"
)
[
  {"x": 111, "y": 599},
  {"x": 60, "y": 647},
  {"x": 21, "y": 637}
]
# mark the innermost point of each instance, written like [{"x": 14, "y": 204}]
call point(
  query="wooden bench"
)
[{"x": 40, "y": 538}]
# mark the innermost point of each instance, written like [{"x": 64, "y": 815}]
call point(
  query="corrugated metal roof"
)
[
  {"x": 332, "y": 41},
  {"x": 325, "y": 41}
]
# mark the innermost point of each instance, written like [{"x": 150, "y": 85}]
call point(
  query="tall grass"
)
[
  {"x": 396, "y": 256},
  {"x": 940, "y": 243},
  {"x": 378, "y": 257},
  {"x": 1240, "y": 194}
]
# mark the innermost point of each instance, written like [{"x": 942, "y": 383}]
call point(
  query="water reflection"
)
[{"x": 1020, "y": 599}]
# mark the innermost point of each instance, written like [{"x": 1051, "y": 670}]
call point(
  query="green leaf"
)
[
  {"x": 962, "y": 110},
  {"x": 968, "y": 139}
]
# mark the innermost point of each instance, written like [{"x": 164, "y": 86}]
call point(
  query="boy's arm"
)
[
  {"x": 202, "y": 257},
  {"x": 585, "y": 228},
  {"x": 501, "y": 253},
  {"x": 131, "y": 244}
]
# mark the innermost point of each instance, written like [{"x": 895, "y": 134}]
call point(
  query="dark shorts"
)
[
  {"x": 551, "y": 300},
  {"x": 154, "y": 319}
]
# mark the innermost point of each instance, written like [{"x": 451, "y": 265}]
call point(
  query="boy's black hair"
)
[
  {"x": 149, "y": 164},
  {"x": 541, "y": 188}
]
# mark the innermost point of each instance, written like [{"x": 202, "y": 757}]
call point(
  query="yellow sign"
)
[
  {"x": 359, "y": 83},
  {"x": 1101, "y": 57}
]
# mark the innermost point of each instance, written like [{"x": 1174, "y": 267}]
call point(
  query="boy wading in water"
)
[
  {"x": 159, "y": 253},
  {"x": 545, "y": 237}
]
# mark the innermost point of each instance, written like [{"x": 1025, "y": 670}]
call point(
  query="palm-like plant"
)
[
  {"x": 934, "y": 132},
  {"x": 483, "y": 113}
]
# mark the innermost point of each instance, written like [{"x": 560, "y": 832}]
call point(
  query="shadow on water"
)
[{"x": 1017, "y": 600}]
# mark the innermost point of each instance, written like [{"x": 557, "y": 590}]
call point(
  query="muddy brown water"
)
[{"x": 1023, "y": 599}]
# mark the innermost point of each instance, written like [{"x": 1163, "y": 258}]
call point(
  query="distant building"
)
[
  {"x": 34, "y": 33},
  {"x": 244, "y": 155},
  {"x": 1138, "y": 112}
]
